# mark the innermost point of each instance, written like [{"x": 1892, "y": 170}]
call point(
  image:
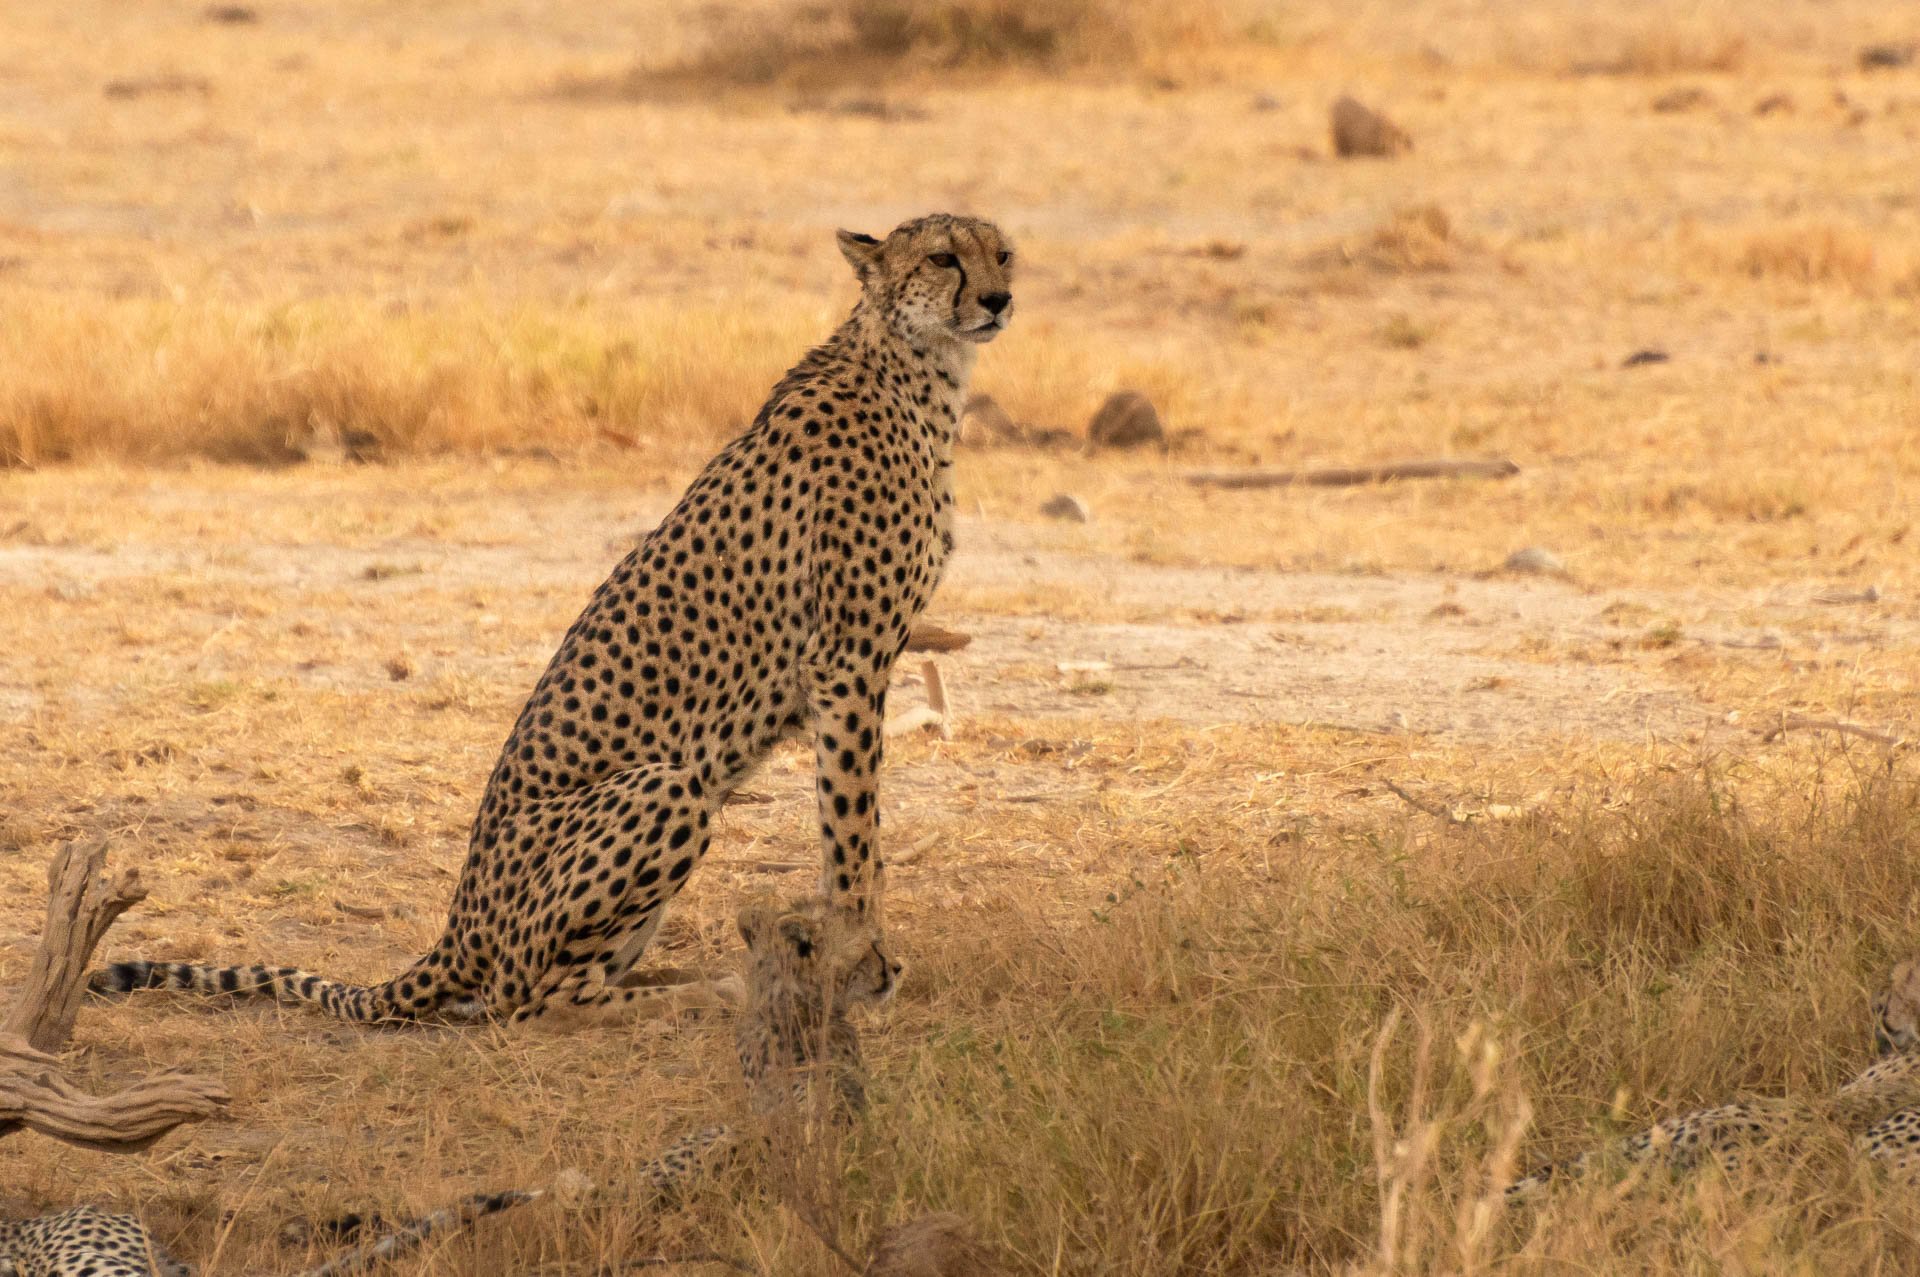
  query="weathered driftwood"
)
[
  {"x": 934, "y": 716},
  {"x": 1354, "y": 476},
  {"x": 82, "y": 903},
  {"x": 36, "y": 1095}
]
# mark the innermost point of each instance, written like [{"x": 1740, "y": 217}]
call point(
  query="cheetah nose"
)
[{"x": 996, "y": 302}]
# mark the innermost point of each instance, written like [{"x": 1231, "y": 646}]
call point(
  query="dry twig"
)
[
  {"x": 1798, "y": 723},
  {"x": 1434, "y": 810},
  {"x": 1355, "y": 476}
]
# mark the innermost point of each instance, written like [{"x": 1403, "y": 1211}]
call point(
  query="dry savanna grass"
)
[{"x": 342, "y": 349}]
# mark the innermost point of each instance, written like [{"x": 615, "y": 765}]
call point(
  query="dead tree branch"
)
[
  {"x": 82, "y": 903},
  {"x": 1797, "y": 723}
]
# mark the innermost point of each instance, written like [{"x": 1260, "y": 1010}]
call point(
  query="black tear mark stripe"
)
[{"x": 960, "y": 265}]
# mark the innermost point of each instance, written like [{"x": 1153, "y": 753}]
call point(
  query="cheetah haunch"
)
[
  {"x": 1881, "y": 1106},
  {"x": 773, "y": 600}
]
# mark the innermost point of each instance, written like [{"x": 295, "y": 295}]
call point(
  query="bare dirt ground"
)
[{"x": 1458, "y": 657}]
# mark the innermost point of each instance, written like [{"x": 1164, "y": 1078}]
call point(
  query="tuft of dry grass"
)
[
  {"x": 1811, "y": 253},
  {"x": 1420, "y": 238},
  {"x": 157, "y": 381}
]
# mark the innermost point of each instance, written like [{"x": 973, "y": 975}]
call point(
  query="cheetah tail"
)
[
  {"x": 411, "y": 1235},
  {"x": 404, "y": 997}
]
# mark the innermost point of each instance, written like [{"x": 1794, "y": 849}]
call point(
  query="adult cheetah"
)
[
  {"x": 773, "y": 599},
  {"x": 1881, "y": 1105}
]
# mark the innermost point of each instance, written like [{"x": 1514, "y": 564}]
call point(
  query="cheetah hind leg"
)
[{"x": 610, "y": 990}]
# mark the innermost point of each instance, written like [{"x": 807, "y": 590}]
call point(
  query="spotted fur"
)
[
  {"x": 1881, "y": 1104},
  {"x": 83, "y": 1242},
  {"x": 774, "y": 599}
]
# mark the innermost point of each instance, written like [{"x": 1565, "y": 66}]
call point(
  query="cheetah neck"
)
[{"x": 933, "y": 372}]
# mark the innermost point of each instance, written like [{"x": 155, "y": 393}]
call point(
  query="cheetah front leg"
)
[{"x": 849, "y": 712}]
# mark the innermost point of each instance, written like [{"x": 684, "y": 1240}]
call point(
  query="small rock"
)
[
  {"x": 233, "y": 15},
  {"x": 1360, "y": 130},
  {"x": 1064, "y": 505},
  {"x": 1534, "y": 559},
  {"x": 984, "y": 421},
  {"x": 1885, "y": 57},
  {"x": 1687, "y": 98},
  {"x": 1773, "y": 104},
  {"x": 400, "y": 668},
  {"x": 1266, "y": 102},
  {"x": 1642, "y": 357},
  {"x": 1126, "y": 420}
]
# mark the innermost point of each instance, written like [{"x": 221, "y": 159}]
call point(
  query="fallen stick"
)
[
  {"x": 1434, "y": 810},
  {"x": 912, "y": 720},
  {"x": 933, "y": 716},
  {"x": 1355, "y": 476},
  {"x": 1796, "y": 723}
]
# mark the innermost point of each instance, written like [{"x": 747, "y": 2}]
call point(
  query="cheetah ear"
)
[{"x": 861, "y": 251}]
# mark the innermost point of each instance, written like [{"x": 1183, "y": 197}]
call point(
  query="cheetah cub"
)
[
  {"x": 773, "y": 600},
  {"x": 809, "y": 965},
  {"x": 1881, "y": 1105}
]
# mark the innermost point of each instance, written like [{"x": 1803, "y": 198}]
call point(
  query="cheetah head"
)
[
  {"x": 808, "y": 947},
  {"x": 938, "y": 278},
  {"x": 1896, "y": 1011}
]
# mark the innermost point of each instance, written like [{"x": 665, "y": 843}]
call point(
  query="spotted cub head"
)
[
  {"x": 1896, "y": 1011},
  {"x": 806, "y": 950},
  {"x": 938, "y": 278}
]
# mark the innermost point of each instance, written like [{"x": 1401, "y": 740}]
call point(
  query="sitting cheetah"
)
[
  {"x": 773, "y": 599},
  {"x": 809, "y": 964},
  {"x": 1881, "y": 1104}
]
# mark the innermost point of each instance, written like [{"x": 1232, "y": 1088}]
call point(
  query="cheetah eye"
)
[
  {"x": 1005, "y": 258},
  {"x": 945, "y": 261}
]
